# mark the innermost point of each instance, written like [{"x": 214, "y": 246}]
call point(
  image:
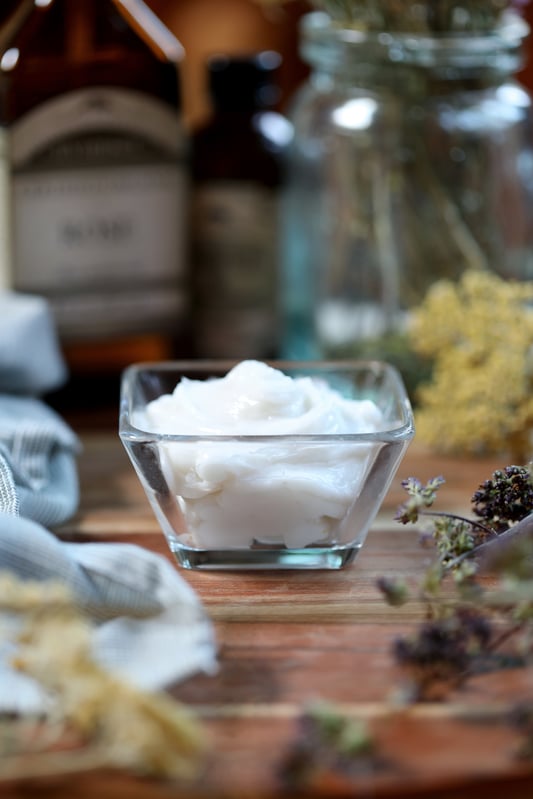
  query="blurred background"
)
[
  {"x": 233, "y": 167},
  {"x": 208, "y": 27},
  {"x": 233, "y": 26}
]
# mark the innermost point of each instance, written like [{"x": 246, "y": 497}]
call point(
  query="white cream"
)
[{"x": 275, "y": 491}]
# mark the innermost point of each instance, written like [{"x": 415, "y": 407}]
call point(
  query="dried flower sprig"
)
[
  {"x": 432, "y": 16},
  {"x": 459, "y": 632},
  {"x": 454, "y": 536},
  {"x": 120, "y": 725},
  {"x": 414, "y": 16},
  {"x": 441, "y": 652},
  {"x": 505, "y": 498},
  {"x": 478, "y": 332},
  {"x": 329, "y": 741}
]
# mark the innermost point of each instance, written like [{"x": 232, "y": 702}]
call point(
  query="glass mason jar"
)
[{"x": 411, "y": 160}]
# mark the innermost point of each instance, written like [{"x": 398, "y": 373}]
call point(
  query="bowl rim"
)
[{"x": 128, "y": 432}]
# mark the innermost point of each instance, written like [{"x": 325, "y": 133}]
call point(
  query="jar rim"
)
[{"x": 460, "y": 48}]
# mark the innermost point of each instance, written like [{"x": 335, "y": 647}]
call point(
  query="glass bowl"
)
[{"x": 280, "y": 501}]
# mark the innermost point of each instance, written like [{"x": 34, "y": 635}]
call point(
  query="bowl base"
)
[{"x": 273, "y": 558}]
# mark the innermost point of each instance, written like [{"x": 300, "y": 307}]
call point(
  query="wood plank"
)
[{"x": 288, "y": 639}]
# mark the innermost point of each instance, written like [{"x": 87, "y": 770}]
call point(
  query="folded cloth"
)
[
  {"x": 30, "y": 357},
  {"x": 150, "y": 627},
  {"x": 38, "y": 476},
  {"x": 148, "y": 623}
]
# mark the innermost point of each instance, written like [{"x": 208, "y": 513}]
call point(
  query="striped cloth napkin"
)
[{"x": 149, "y": 625}]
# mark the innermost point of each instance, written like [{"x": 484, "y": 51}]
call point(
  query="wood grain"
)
[{"x": 287, "y": 640}]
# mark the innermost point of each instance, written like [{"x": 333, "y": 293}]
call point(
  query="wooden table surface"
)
[{"x": 290, "y": 638}]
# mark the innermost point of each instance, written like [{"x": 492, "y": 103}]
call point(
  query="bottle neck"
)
[
  {"x": 409, "y": 60},
  {"x": 80, "y": 22}
]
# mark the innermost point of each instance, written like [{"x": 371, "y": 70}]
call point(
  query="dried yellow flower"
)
[
  {"x": 479, "y": 333},
  {"x": 145, "y": 732}
]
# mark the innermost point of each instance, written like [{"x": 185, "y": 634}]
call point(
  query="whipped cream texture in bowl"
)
[{"x": 257, "y": 465}]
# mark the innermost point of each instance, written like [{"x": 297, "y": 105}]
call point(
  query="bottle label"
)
[
  {"x": 99, "y": 193},
  {"x": 235, "y": 241}
]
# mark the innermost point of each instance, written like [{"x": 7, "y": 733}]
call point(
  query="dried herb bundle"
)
[
  {"x": 414, "y": 16},
  {"x": 467, "y": 623},
  {"x": 431, "y": 16},
  {"x": 464, "y": 632}
]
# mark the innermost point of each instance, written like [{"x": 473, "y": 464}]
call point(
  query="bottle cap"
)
[{"x": 244, "y": 82}]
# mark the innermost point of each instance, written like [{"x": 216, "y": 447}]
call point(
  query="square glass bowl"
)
[{"x": 291, "y": 501}]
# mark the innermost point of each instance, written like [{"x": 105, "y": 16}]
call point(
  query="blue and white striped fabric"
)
[
  {"x": 38, "y": 475},
  {"x": 149, "y": 624},
  {"x": 30, "y": 357},
  {"x": 38, "y": 450}
]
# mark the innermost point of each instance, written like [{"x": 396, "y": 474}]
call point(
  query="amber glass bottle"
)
[
  {"x": 237, "y": 170},
  {"x": 90, "y": 95}
]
